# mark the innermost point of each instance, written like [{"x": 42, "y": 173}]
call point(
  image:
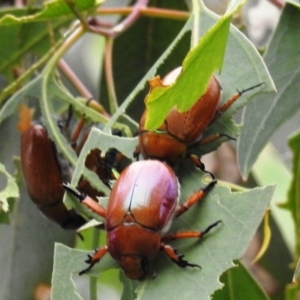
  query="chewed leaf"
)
[
  {"x": 10, "y": 191},
  {"x": 68, "y": 263}
]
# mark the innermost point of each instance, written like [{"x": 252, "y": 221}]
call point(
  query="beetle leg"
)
[
  {"x": 175, "y": 257},
  {"x": 172, "y": 253},
  {"x": 230, "y": 101},
  {"x": 92, "y": 260},
  {"x": 199, "y": 164},
  {"x": 87, "y": 201},
  {"x": 194, "y": 198},
  {"x": 189, "y": 234}
]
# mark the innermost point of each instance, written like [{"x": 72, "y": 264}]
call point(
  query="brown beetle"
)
[
  {"x": 43, "y": 177},
  {"x": 141, "y": 207},
  {"x": 180, "y": 132}
]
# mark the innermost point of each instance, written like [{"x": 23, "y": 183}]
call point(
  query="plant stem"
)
[
  {"x": 112, "y": 97},
  {"x": 134, "y": 14},
  {"x": 80, "y": 87},
  {"x": 93, "y": 280},
  {"x": 196, "y": 24},
  {"x": 146, "y": 12}
]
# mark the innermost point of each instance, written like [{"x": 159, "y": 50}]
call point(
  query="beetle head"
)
[{"x": 134, "y": 266}]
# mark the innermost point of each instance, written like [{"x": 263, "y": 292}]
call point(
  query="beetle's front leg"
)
[
  {"x": 194, "y": 198},
  {"x": 175, "y": 257},
  {"x": 87, "y": 201},
  {"x": 92, "y": 260}
]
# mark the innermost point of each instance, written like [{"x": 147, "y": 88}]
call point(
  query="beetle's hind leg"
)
[
  {"x": 177, "y": 258},
  {"x": 172, "y": 253}
]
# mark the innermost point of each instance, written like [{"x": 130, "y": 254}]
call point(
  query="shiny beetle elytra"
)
[
  {"x": 180, "y": 132},
  {"x": 43, "y": 177},
  {"x": 140, "y": 210}
]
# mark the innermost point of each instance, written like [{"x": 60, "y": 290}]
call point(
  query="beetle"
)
[
  {"x": 43, "y": 174},
  {"x": 43, "y": 177},
  {"x": 141, "y": 207},
  {"x": 181, "y": 131}
]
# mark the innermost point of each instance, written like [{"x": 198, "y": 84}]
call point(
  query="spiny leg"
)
[
  {"x": 200, "y": 165},
  {"x": 196, "y": 197},
  {"x": 189, "y": 234},
  {"x": 175, "y": 257},
  {"x": 173, "y": 254},
  {"x": 236, "y": 96},
  {"x": 221, "y": 110}
]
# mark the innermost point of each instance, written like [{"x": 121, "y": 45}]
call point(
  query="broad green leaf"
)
[
  {"x": 267, "y": 112},
  {"x": 51, "y": 9},
  {"x": 239, "y": 284}
]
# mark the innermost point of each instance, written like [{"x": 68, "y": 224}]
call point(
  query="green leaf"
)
[
  {"x": 238, "y": 226},
  {"x": 10, "y": 191},
  {"x": 293, "y": 200},
  {"x": 267, "y": 112},
  {"x": 239, "y": 284},
  {"x": 51, "y": 9},
  {"x": 67, "y": 263},
  {"x": 199, "y": 65}
]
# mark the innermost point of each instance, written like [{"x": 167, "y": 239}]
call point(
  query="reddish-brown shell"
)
[
  {"x": 40, "y": 167},
  {"x": 188, "y": 126},
  {"x": 42, "y": 175},
  {"x": 146, "y": 193},
  {"x": 160, "y": 144}
]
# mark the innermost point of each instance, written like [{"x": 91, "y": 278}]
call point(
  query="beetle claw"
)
[
  {"x": 89, "y": 260},
  {"x": 184, "y": 263}
]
